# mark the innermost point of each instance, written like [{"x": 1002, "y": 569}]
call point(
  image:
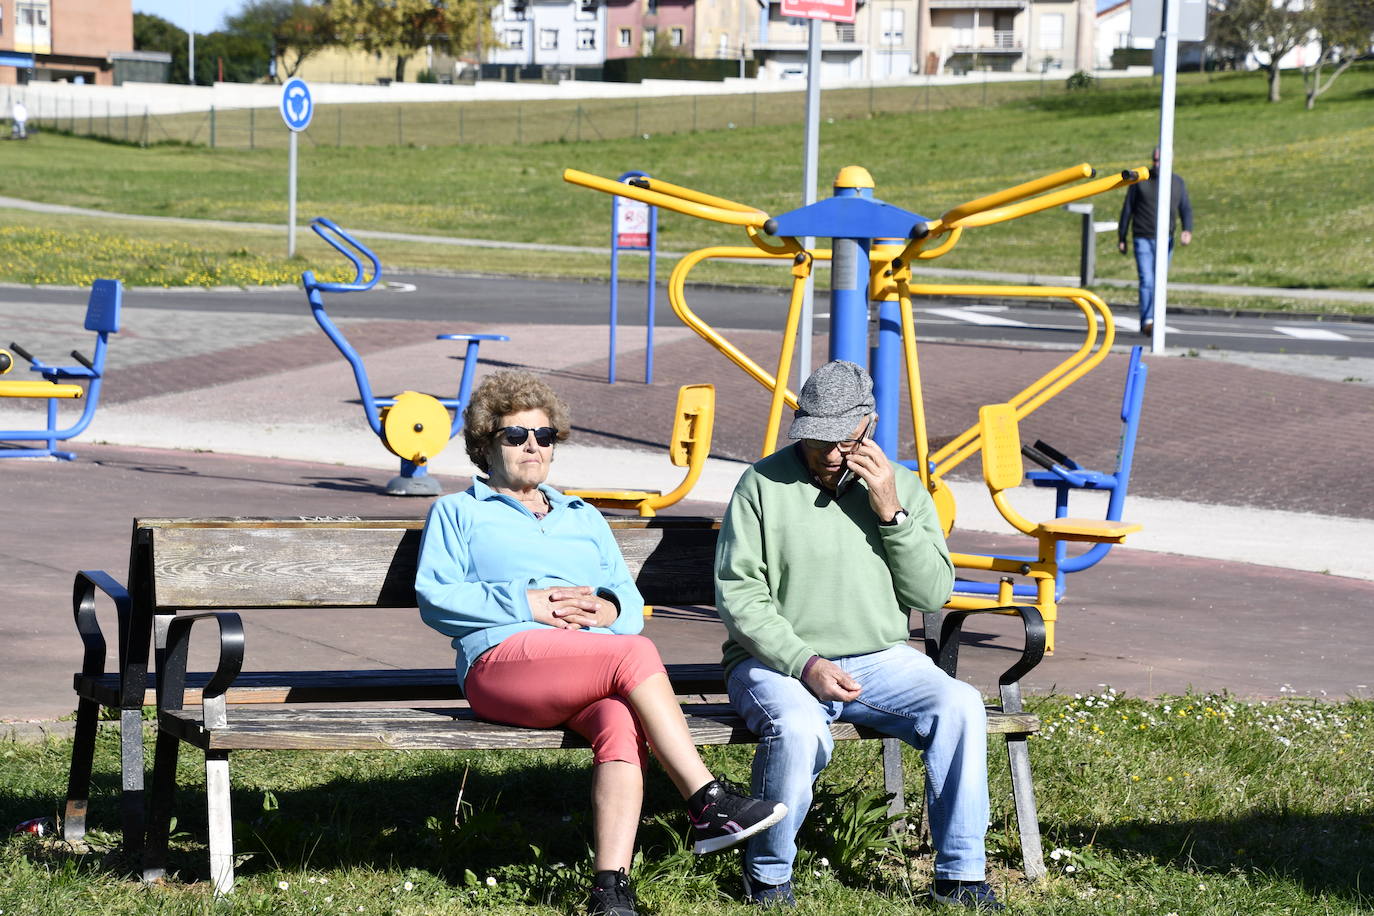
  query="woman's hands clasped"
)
[{"x": 571, "y": 607}]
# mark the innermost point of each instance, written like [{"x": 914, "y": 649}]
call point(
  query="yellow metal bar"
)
[
  {"x": 1025, "y": 189},
  {"x": 801, "y": 269},
  {"x": 913, "y": 378},
  {"x": 789, "y": 245},
  {"x": 755, "y": 218},
  {"x": 1053, "y": 199},
  {"x": 700, "y": 197},
  {"x": 1030, "y": 398},
  {"x": 678, "y": 297},
  {"x": 37, "y": 388}
]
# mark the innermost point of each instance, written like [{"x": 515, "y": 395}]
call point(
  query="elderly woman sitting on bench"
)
[{"x": 544, "y": 616}]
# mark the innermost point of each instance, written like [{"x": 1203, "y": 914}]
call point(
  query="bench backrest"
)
[{"x": 242, "y": 563}]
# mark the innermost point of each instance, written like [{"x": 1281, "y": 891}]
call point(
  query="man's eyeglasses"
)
[
  {"x": 516, "y": 436},
  {"x": 820, "y": 445}
]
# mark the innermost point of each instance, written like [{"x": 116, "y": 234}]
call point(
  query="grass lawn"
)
[
  {"x": 1279, "y": 193},
  {"x": 1187, "y": 805}
]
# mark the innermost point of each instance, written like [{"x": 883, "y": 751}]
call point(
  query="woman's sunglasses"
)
[{"x": 516, "y": 436}]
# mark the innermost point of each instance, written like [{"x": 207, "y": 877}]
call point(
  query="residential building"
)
[
  {"x": 549, "y": 33},
  {"x": 1033, "y": 36},
  {"x": 636, "y": 27},
  {"x": 70, "y": 40}
]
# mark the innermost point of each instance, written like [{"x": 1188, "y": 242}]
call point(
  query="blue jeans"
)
[
  {"x": 904, "y": 695},
  {"x": 1145, "y": 269}
]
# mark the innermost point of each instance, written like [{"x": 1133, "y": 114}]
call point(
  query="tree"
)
[
  {"x": 404, "y": 27},
  {"x": 153, "y": 33},
  {"x": 1268, "y": 29},
  {"x": 1346, "y": 28},
  {"x": 288, "y": 30}
]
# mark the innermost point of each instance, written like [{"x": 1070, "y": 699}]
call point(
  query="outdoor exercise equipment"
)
[
  {"x": 1066, "y": 475},
  {"x": 690, "y": 444},
  {"x": 102, "y": 317},
  {"x": 874, "y": 245},
  {"x": 413, "y": 426}
]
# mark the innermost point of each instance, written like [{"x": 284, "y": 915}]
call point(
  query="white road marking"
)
[
  {"x": 1310, "y": 333},
  {"x": 973, "y": 317}
]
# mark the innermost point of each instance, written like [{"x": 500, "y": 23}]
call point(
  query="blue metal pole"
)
[
  {"x": 887, "y": 376},
  {"x": 653, "y": 287},
  {"x": 615, "y": 289}
]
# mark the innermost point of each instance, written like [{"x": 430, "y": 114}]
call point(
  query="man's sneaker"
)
[
  {"x": 975, "y": 895},
  {"x": 611, "y": 895},
  {"x": 769, "y": 895},
  {"x": 723, "y": 814}
]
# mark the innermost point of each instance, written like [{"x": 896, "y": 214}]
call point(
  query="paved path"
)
[{"x": 1236, "y": 464}]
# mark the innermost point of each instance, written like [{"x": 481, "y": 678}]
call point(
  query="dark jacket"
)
[{"x": 1142, "y": 201}]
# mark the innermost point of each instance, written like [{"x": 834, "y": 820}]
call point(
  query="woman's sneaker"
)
[
  {"x": 723, "y": 814},
  {"x": 611, "y": 895}
]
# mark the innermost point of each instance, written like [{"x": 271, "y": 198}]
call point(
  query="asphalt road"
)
[{"x": 429, "y": 297}]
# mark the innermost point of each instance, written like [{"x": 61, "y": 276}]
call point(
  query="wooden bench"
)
[{"x": 187, "y": 571}]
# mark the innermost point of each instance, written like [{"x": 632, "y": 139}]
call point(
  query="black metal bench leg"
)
[
  {"x": 221, "y": 821},
  {"x": 1027, "y": 820},
  {"x": 164, "y": 789},
  {"x": 79, "y": 777},
  {"x": 131, "y": 796}
]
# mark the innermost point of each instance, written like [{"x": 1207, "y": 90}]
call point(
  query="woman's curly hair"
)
[{"x": 501, "y": 394}]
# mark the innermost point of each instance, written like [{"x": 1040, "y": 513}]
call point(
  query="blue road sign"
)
[{"x": 296, "y": 107}]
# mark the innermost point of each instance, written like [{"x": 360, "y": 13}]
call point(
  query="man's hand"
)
[
  {"x": 1186, "y": 237},
  {"x": 1121, "y": 246},
  {"x": 869, "y": 463},
  {"x": 828, "y": 681},
  {"x": 570, "y": 607}
]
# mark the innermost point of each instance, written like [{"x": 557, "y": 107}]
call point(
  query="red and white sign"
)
[
  {"x": 631, "y": 223},
  {"x": 829, "y": 10}
]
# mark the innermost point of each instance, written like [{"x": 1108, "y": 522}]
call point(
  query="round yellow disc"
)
[{"x": 416, "y": 427}]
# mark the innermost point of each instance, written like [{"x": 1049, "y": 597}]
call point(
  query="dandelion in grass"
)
[
  {"x": 409, "y": 885},
  {"x": 283, "y": 885},
  {"x": 491, "y": 881}
]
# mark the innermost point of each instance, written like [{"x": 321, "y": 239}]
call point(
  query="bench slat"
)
[{"x": 419, "y": 728}]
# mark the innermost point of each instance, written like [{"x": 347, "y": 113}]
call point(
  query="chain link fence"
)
[{"x": 516, "y": 123}]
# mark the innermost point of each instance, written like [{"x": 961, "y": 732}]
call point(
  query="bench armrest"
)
[
  {"x": 173, "y": 674},
  {"x": 1031, "y": 654},
  {"x": 87, "y": 582}
]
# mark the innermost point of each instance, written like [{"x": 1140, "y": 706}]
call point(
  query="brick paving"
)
[{"x": 1144, "y": 622}]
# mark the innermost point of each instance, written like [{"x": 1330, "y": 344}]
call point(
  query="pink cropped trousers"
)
[{"x": 548, "y": 677}]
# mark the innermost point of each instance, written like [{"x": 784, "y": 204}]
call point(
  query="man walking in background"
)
[{"x": 1138, "y": 215}]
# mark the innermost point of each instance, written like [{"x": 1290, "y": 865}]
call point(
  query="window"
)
[
  {"x": 515, "y": 39},
  {"x": 1051, "y": 31},
  {"x": 622, "y": 39},
  {"x": 963, "y": 30},
  {"x": 893, "y": 26},
  {"x": 723, "y": 46},
  {"x": 586, "y": 9},
  {"x": 586, "y": 39},
  {"x": 548, "y": 39},
  {"x": 650, "y": 36},
  {"x": 675, "y": 38},
  {"x": 844, "y": 31},
  {"x": 651, "y": 7},
  {"x": 515, "y": 9}
]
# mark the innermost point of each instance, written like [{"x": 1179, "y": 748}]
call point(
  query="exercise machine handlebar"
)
[{"x": 330, "y": 231}]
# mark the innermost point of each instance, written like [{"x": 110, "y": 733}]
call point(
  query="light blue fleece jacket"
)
[{"x": 482, "y": 551}]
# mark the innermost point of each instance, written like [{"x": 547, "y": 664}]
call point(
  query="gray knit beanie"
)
[{"x": 832, "y": 402}]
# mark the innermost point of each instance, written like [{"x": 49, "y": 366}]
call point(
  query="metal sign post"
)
[
  {"x": 296, "y": 111},
  {"x": 817, "y": 11},
  {"x": 633, "y": 225}
]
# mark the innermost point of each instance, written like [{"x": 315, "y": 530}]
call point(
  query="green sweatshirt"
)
[{"x": 799, "y": 573}]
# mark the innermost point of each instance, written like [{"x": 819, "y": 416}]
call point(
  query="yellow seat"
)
[
  {"x": 689, "y": 446},
  {"x": 1003, "y": 470}
]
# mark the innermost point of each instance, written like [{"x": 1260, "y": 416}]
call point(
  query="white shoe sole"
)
[{"x": 715, "y": 844}]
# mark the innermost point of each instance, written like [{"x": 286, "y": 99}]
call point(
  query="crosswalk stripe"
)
[
  {"x": 976, "y": 317},
  {"x": 1311, "y": 333}
]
